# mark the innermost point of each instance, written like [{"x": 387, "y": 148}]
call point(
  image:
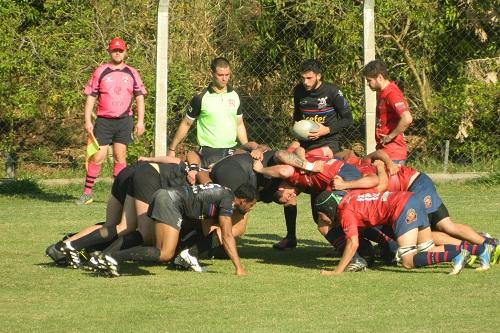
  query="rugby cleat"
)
[
  {"x": 56, "y": 255},
  {"x": 85, "y": 199},
  {"x": 72, "y": 256},
  {"x": 495, "y": 256},
  {"x": 484, "y": 258},
  {"x": 357, "y": 264},
  {"x": 112, "y": 266},
  {"x": 459, "y": 262},
  {"x": 472, "y": 260},
  {"x": 285, "y": 243},
  {"x": 186, "y": 260}
]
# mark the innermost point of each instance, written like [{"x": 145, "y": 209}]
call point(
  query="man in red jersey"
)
[
  {"x": 393, "y": 114},
  {"x": 113, "y": 85},
  {"x": 403, "y": 211}
]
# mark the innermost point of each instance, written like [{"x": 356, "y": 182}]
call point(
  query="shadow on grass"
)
[
  {"x": 27, "y": 188},
  {"x": 309, "y": 254}
]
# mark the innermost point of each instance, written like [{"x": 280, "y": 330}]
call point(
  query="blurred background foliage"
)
[{"x": 443, "y": 54}]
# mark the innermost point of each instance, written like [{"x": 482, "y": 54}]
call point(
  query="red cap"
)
[{"x": 117, "y": 44}]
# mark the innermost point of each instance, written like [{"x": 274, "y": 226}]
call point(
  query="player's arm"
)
[
  {"x": 404, "y": 121},
  {"x": 383, "y": 179},
  {"x": 344, "y": 112},
  {"x": 229, "y": 243},
  {"x": 351, "y": 246},
  {"x": 160, "y": 159},
  {"x": 180, "y": 134},
  {"x": 295, "y": 160},
  {"x": 241, "y": 131},
  {"x": 368, "y": 181},
  {"x": 89, "y": 107},
  {"x": 139, "y": 126},
  {"x": 276, "y": 171}
]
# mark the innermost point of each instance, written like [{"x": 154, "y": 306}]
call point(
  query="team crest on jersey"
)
[
  {"x": 428, "y": 201},
  {"x": 232, "y": 102},
  {"x": 322, "y": 102},
  {"x": 411, "y": 216},
  {"x": 400, "y": 106}
]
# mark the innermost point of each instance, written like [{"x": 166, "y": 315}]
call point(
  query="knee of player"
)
[{"x": 407, "y": 261}]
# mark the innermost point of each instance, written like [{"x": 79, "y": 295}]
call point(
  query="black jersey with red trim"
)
[{"x": 325, "y": 105}]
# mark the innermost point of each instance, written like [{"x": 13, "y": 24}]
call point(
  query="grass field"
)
[{"x": 283, "y": 293}]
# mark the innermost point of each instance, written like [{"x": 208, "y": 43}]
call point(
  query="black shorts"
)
[
  {"x": 145, "y": 182},
  {"x": 119, "y": 130},
  {"x": 209, "y": 156},
  {"x": 165, "y": 209},
  {"x": 151, "y": 177},
  {"x": 234, "y": 172},
  {"x": 122, "y": 182}
]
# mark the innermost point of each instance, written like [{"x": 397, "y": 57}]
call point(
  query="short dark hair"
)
[
  {"x": 310, "y": 65},
  {"x": 219, "y": 62},
  {"x": 374, "y": 68},
  {"x": 246, "y": 192}
]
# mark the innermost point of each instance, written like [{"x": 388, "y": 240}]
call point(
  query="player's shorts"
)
[
  {"x": 234, "y": 171},
  {"x": 119, "y": 130},
  {"x": 209, "y": 156},
  {"x": 150, "y": 177},
  {"x": 424, "y": 189},
  {"x": 165, "y": 208},
  {"x": 412, "y": 216},
  {"x": 349, "y": 172},
  {"x": 122, "y": 182}
]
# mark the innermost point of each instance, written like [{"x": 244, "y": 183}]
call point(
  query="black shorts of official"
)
[
  {"x": 145, "y": 182},
  {"x": 164, "y": 208},
  {"x": 209, "y": 156},
  {"x": 111, "y": 130},
  {"x": 122, "y": 182}
]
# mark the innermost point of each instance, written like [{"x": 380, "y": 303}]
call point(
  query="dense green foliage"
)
[{"x": 438, "y": 52}]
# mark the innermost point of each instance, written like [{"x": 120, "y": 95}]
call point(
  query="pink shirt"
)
[
  {"x": 114, "y": 89},
  {"x": 390, "y": 105}
]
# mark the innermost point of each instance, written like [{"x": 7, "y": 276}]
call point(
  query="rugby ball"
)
[{"x": 302, "y": 128}]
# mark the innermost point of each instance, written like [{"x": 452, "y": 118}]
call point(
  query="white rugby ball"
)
[{"x": 302, "y": 128}]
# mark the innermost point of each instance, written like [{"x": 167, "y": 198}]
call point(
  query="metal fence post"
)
[
  {"x": 369, "y": 55},
  {"x": 161, "y": 79}
]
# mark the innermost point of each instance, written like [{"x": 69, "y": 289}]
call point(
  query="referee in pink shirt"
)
[{"x": 113, "y": 85}]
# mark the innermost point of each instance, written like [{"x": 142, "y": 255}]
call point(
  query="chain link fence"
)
[{"x": 443, "y": 56}]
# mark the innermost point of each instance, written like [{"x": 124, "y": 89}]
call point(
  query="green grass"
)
[{"x": 283, "y": 293}]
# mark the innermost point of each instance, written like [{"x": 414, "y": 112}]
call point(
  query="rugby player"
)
[
  {"x": 407, "y": 216},
  {"x": 170, "y": 208}
]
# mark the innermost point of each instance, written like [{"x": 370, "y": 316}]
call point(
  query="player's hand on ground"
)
[
  {"x": 327, "y": 272},
  {"x": 241, "y": 271},
  {"x": 321, "y": 131},
  {"x": 338, "y": 183},
  {"x": 139, "y": 129},
  {"x": 257, "y": 166}
]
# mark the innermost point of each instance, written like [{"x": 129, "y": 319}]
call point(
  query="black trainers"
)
[
  {"x": 72, "y": 256},
  {"x": 56, "y": 255},
  {"x": 285, "y": 243}
]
